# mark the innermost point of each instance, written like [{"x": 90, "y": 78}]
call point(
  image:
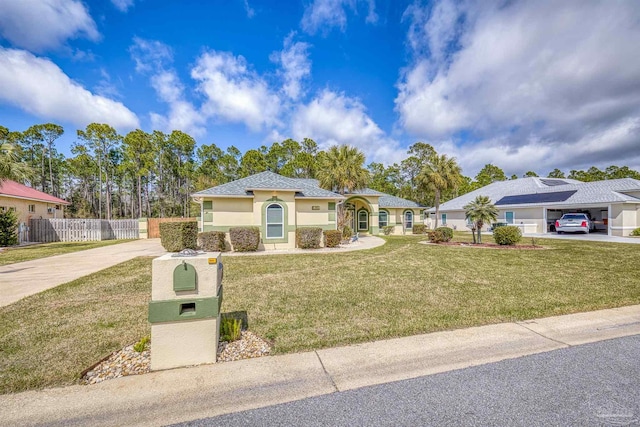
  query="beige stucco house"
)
[
  {"x": 278, "y": 205},
  {"x": 534, "y": 204},
  {"x": 29, "y": 203}
]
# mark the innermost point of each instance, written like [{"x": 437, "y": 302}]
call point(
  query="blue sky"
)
[{"x": 526, "y": 85}]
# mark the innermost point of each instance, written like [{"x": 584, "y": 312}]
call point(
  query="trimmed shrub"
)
[
  {"x": 308, "y": 237},
  {"x": 8, "y": 228},
  {"x": 635, "y": 232},
  {"x": 347, "y": 232},
  {"x": 245, "y": 239},
  {"x": 332, "y": 238},
  {"x": 212, "y": 241},
  {"x": 419, "y": 229},
  {"x": 176, "y": 236},
  {"x": 447, "y": 233},
  {"x": 388, "y": 229},
  {"x": 436, "y": 236},
  {"x": 507, "y": 235}
]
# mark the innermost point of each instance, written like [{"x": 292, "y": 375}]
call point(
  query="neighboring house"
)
[
  {"x": 278, "y": 205},
  {"x": 29, "y": 203},
  {"x": 535, "y": 203}
]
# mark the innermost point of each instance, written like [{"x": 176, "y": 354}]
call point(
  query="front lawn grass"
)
[
  {"x": 305, "y": 302},
  {"x": 15, "y": 254}
]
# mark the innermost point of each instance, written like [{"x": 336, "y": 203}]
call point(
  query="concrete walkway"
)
[
  {"x": 30, "y": 277},
  {"x": 592, "y": 237},
  {"x": 178, "y": 395},
  {"x": 364, "y": 242}
]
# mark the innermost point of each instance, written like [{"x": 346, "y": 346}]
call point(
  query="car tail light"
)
[
  {"x": 584, "y": 224},
  {"x": 557, "y": 224}
]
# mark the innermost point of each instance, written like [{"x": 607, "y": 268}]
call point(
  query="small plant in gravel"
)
[
  {"x": 230, "y": 329},
  {"x": 635, "y": 232},
  {"x": 142, "y": 345}
]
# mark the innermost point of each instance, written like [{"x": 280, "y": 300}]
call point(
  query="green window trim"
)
[
  {"x": 381, "y": 214},
  {"x": 360, "y": 221},
  {"x": 207, "y": 204},
  {"x": 408, "y": 223}
]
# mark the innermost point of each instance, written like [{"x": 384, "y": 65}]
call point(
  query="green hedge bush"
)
[
  {"x": 176, "y": 236},
  {"x": 245, "y": 239},
  {"x": 332, "y": 238},
  {"x": 388, "y": 229},
  {"x": 635, "y": 232},
  {"x": 447, "y": 232},
  {"x": 212, "y": 241},
  {"x": 8, "y": 228},
  {"x": 507, "y": 235},
  {"x": 308, "y": 237},
  {"x": 419, "y": 229}
]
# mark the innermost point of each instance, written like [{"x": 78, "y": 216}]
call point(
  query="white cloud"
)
[
  {"x": 234, "y": 93},
  {"x": 123, "y": 5},
  {"x": 38, "y": 25},
  {"x": 39, "y": 87},
  {"x": 250, "y": 11},
  {"x": 323, "y": 15},
  {"x": 333, "y": 119},
  {"x": 154, "y": 57},
  {"x": 150, "y": 55},
  {"x": 537, "y": 84},
  {"x": 296, "y": 66}
]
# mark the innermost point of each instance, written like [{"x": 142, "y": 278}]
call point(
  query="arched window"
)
[
  {"x": 383, "y": 219},
  {"x": 408, "y": 219},
  {"x": 275, "y": 221},
  {"x": 363, "y": 220}
]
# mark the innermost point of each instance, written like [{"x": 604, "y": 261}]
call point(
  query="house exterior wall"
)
[
  {"x": 41, "y": 209},
  {"x": 221, "y": 214},
  {"x": 396, "y": 219},
  {"x": 530, "y": 220},
  {"x": 624, "y": 219}
]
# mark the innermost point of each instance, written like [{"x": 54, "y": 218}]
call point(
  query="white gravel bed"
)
[{"x": 129, "y": 362}]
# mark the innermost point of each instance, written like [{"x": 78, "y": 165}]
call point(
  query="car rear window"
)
[{"x": 575, "y": 216}]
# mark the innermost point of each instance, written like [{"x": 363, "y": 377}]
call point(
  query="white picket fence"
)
[{"x": 81, "y": 230}]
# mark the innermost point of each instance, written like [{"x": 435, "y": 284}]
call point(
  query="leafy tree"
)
[
  {"x": 556, "y": 173},
  {"x": 341, "y": 171},
  {"x": 480, "y": 211},
  {"x": 101, "y": 139},
  {"x": 514, "y": 176},
  {"x": 384, "y": 179},
  {"x": 439, "y": 174},
  {"x": 8, "y": 228},
  {"x": 490, "y": 174},
  {"x": 252, "y": 162},
  {"x": 529, "y": 174},
  {"x": 138, "y": 162}
]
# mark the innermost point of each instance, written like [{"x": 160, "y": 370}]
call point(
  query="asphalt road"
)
[{"x": 592, "y": 384}]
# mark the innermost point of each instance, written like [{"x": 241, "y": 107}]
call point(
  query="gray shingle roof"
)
[
  {"x": 303, "y": 188},
  {"x": 268, "y": 181},
  {"x": 597, "y": 192},
  {"x": 388, "y": 201}
]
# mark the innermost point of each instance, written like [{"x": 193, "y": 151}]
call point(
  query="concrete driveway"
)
[
  {"x": 30, "y": 277},
  {"x": 592, "y": 237}
]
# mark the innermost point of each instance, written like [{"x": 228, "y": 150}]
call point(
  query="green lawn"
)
[
  {"x": 304, "y": 302},
  {"x": 43, "y": 250}
]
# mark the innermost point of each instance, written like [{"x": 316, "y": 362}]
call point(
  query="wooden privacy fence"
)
[
  {"x": 81, "y": 230},
  {"x": 154, "y": 225}
]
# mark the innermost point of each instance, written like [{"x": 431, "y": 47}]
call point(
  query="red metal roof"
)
[{"x": 14, "y": 189}]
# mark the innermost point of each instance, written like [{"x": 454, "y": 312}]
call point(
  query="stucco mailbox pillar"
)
[{"x": 184, "y": 312}]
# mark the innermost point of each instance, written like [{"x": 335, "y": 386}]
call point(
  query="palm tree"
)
[
  {"x": 10, "y": 165},
  {"x": 341, "y": 170},
  {"x": 439, "y": 174},
  {"x": 480, "y": 211}
]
